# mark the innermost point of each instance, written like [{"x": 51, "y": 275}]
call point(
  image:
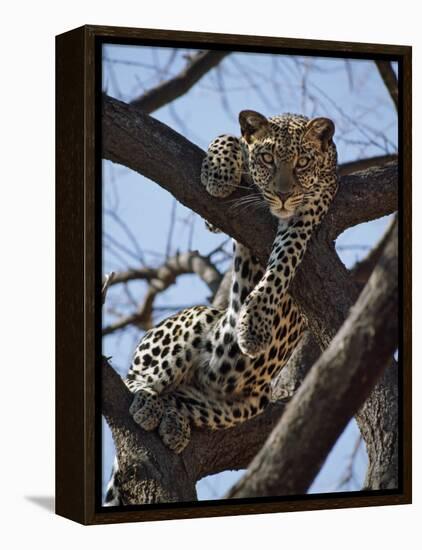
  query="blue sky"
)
[{"x": 350, "y": 92}]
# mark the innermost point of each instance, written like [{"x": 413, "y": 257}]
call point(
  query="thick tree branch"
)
[
  {"x": 365, "y": 164},
  {"x": 171, "y": 89},
  {"x": 378, "y": 421},
  {"x": 325, "y": 291},
  {"x": 333, "y": 391},
  {"x": 151, "y": 148}
]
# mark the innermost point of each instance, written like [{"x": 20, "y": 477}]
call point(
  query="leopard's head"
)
[{"x": 291, "y": 159}]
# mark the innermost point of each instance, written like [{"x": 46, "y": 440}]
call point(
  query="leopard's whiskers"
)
[
  {"x": 247, "y": 198},
  {"x": 253, "y": 200}
]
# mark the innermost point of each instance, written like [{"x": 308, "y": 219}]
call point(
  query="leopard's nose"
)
[
  {"x": 284, "y": 179},
  {"x": 284, "y": 196}
]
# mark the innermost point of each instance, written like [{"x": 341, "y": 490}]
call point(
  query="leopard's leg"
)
[
  {"x": 230, "y": 396},
  {"x": 222, "y": 169},
  {"x": 221, "y": 173},
  {"x": 221, "y": 343},
  {"x": 256, "y": 317},
  {"x": 188, "y": 406},
  {"x": 212, "y": 412},
  {"x": 246, "y": 274},
  {"x": 164, "y": 360}
]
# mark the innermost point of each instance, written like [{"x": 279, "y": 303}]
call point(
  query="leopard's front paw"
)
[
  {"x": 221, "y": 170},
  {"x": 175, "y": 430},
  {"x": 253, "y": 336},
  {"x": 147, "y": 410},
  {"x": 251, "y": 343}
]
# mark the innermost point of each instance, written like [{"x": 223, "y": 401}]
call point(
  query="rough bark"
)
[
  {"x": 334, "y": 390},
  {"x": 323, "y": 288},
  {"x": 364, "y": 164},
  {"x": 378, "y": 424},
  {"x": 293, "y": 374}
]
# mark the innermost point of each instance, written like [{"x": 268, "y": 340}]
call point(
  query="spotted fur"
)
[{"x": 210, "y": 368}]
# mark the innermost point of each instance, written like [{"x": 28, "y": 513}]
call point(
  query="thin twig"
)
[
  {"x": 175, "y": 87},
  {"x": 106, "y": 283}
]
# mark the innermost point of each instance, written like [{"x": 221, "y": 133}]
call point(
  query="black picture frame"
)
[{"x": 78, "y": 273}]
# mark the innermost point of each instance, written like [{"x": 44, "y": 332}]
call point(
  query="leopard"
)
[{"x": 212, "y": 368}]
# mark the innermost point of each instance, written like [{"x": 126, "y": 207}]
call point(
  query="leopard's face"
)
[{"x": 291, "y": 159}]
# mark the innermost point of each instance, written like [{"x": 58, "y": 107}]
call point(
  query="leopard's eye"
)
[
  {"x": 267, "y": 158},
  {"x": 302, "y": 162}
]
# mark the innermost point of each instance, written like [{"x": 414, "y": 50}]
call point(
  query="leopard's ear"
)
[
  {"x": 253, "y": 125},
  {"x": 320, "y": 131}
]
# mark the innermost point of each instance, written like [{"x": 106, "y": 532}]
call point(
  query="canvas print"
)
[{"x": 250, "y": 316}]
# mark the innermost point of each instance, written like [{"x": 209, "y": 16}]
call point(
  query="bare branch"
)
[
  {"x": 221, "y": 298},
  {"x": 175, "y": 87},
  {"x": 159, "y": 281},
  {"x": 134, "y": 274},
  {"x": 129, "y": 234},
  {"x": 171, "y": 227},
  {"x": 106, "y": 283},
  {"x": 390, "y": 80}
]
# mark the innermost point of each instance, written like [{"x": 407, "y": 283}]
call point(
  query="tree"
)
[{"x": 358, "y": 344}]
